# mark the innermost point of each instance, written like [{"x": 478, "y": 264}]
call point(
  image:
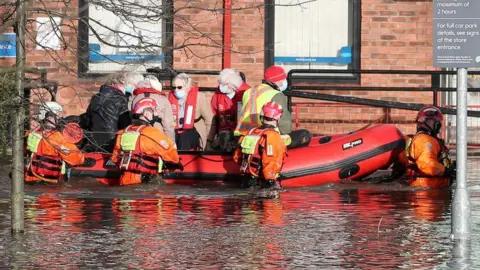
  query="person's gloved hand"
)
[
  {"x": 453, "y": 164},
  {"x": 174, "y": 166},
  {"x": 88, "y": 162},
  {"x": 214, "y": 144},
  {"x": 450, "y": 172},
  {"x": 208, "y": 146}
]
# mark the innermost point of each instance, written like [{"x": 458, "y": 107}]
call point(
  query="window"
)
[
  {"x": 314, "y": 35},
  {"x": 122, "y": 34}
]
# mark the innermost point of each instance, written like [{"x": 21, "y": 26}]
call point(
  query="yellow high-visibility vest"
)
[{"x": 252, "y": 103}]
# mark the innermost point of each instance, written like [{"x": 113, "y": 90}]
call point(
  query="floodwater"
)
[{"x": 85, "y": 225}]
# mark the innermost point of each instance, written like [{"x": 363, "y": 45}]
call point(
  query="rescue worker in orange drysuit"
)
[
  {"x": 262, "y": 150},
  {"x": 47, "y": 148},
  {"x": 140, "y": 149},
  {"x": 426, "y": 157}
]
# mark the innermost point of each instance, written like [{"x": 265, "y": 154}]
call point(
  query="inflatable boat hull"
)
[{"x": 326, "y": 159}]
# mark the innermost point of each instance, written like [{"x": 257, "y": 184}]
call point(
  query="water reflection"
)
[
  {"x": 345, "y": 228},
  {"x": 461, "y": 255}
]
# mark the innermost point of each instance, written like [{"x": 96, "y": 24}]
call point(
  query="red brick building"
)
[{"x": 382, "y": 34}]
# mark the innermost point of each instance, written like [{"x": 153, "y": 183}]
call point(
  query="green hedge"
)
[{"x": 7, "y": 93}]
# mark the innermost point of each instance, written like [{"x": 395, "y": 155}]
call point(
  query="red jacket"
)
[
  {"x": 139, "y": 91},
  {"x": 226, "y": 109}
]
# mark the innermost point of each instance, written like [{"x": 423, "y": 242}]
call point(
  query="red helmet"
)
[
  {"x": 430, "y": 118},
  {"x": 272, "y": 110},
  {"x": 144, "y": 103},
  {"x": 429, "y": 112}
]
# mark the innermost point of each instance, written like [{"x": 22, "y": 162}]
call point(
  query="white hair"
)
[
  {"x": 134, "y": 78},
  {"x": 144, "y": 84},
  {"x": 123, "y": 78},
  {"x": 118, "y": 78},
  {"x": 154, "y": 82},
  {"x": 184, "y": 77},
  {"x": 231, "y": 77}
]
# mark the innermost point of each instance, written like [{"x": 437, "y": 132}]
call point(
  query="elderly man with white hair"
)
[
  {"x": 151, "y": 87},
  {"x": 108, "y": 111},
  {"x": 225, "y": 103}
]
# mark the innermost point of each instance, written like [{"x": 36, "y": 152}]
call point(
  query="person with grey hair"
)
[
  {"x": 135, "y": 78},
  {"x": 225, "y": 103},
  {"x": 108, "y": 111},
  {"x": 154, "y": 82},
  {"x": 192, "y": 115},
  {"x": 151, "y": 87}
]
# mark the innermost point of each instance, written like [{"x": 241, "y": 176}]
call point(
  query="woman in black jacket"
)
[{"x": 108, "y": 111}]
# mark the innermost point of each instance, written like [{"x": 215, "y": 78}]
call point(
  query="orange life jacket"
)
[
  {"x": 190, "y": 109},
  {"x": 47, "y": 168},
  {"x": 416, "y": 177},
  {"x": 135, "y": 161},
  {"x": 252, "y": 163}
]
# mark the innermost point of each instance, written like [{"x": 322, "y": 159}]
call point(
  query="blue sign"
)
[
  {"x": 96, "y": 57},
  {"x": 344, "y": 58},
  {"x": 8, "y": 46}
]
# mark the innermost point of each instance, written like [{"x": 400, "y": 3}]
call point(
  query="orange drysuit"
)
[
  {"x": 151, "y": 147},
  {"x": 48, "y": 150},
  {"x": 425, "y": 158},
  {"x": 261, "y": 149}
]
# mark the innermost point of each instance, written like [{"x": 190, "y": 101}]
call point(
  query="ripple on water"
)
[{"x": 350, "y": 225}]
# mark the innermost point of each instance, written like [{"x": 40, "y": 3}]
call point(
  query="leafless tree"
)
[{"x": 141, "y": 28}]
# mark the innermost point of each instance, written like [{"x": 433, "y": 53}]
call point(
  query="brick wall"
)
[
  {"x": 395, "y": 35},
  {"x": 247, "y": 39}
]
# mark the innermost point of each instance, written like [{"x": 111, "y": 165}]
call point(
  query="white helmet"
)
[{"x": 49, "y": 106}]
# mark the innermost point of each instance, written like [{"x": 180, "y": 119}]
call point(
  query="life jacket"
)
[
  {"x": 190, "y": 109},
  {"x": 416, "y": 178},
  {"x": 253, "y": 101},
  {"x": 252, "y": 147},
  {"x": 132, "y": 159},
  {"x": 443, "y": 156},
  {"x": 147, "y": 92},
  {"x": 227, "y": 110},
  {"x": 46, "y": 168}
]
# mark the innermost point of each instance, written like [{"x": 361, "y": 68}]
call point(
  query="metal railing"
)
[
  {"x": 336, "y": 109},
  {"x": 435, "y": 87}
]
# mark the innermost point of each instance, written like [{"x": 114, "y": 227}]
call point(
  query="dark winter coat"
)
[{"x": 107, "y": 113}]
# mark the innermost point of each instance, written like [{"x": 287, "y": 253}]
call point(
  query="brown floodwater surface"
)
[{"x": 85, "y": 225}]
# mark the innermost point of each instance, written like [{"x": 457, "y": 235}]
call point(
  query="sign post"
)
[{"x": 456, "y": 39}]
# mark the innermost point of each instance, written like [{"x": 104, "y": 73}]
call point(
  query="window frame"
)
[
  {"x": 83, "y": 35},
  {"x": 355, "y": 12}
]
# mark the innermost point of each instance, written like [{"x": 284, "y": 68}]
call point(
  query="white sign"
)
[
  {"x": 127, "y": 32},
  {"x": 456, "y": 33},
  {"x": 48, "y": 33}
]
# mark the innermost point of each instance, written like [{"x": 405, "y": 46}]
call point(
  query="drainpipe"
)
[{"x": 227, "y": 33}]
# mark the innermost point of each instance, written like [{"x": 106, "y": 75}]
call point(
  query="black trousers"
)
[{"x": 187, "y": 139}]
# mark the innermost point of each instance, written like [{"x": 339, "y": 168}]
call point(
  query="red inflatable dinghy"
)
[{"x": 326, "y": 159}]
